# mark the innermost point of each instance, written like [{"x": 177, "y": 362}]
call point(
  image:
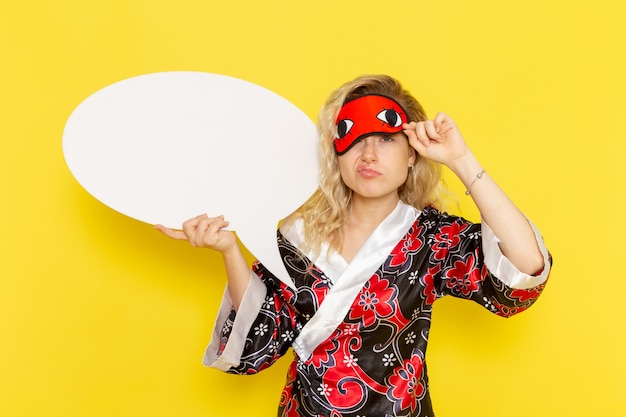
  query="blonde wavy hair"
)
[{"x": 324, "y": 213}]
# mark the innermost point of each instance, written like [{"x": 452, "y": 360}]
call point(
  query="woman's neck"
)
[
  {"x": 371, "y": 211},
  {"x": 364, "y": 217}
]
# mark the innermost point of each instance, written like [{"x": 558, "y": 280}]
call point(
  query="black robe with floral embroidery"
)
[{"x": 369, "y": 358}]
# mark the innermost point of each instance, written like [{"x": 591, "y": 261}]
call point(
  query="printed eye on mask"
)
[{"x": 166, "y": 147}]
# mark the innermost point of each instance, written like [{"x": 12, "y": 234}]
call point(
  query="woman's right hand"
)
[{"x": 204, "y": 232}]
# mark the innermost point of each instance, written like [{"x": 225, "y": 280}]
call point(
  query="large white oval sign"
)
[{"x": 165, "y": 147}]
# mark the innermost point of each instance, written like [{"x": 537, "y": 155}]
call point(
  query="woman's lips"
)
[{"x": 367, "y": 172}]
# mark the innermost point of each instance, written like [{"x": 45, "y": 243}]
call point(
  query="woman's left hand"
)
[{"x": 439, "y": 139}]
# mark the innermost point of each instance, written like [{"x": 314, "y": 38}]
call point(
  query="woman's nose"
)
[{"x": 368, "y": 151}]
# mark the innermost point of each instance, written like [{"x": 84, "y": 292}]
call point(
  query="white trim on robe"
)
[
  {"x": 249, "y": 308},
  {"x": 500, "y": 266},
  {"x": 348, "y": 281}
]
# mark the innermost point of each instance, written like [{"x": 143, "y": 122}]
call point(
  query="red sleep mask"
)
[{"x": 367, "y": 115}]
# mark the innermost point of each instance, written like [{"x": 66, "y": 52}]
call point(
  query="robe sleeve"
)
[
  {"x": 473, "y": 267},
  {"x": 259, "y": 333},
  {"x": 500, "y": 266}
]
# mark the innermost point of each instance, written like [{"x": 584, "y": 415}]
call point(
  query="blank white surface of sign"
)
[{"x": 165, "y": 147}]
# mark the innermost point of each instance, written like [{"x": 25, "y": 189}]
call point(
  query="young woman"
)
[{"x": 368, "y": 254}]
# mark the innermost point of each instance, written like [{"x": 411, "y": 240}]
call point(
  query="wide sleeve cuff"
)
[
  {"x": 233, "y": 346},
  {"x": 504, "y": 270}
]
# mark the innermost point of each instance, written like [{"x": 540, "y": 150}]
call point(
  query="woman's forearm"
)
[
  {"x": 517, "y": 238},
  {"x": 238, "y": 274}
]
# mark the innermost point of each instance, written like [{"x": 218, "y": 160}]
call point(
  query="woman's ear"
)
[{"x": 412, "y": 156}]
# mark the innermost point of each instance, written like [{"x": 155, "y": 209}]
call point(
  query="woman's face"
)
[{"x": 376, "y": 166}]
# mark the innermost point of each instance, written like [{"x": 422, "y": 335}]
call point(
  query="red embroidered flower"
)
[
  {"x": 288, "y": 294},
  {"x": 405, "y": 384},
  {"x": 464, "y": 277},
  {"x": 508, "y": 311},
  {"x": 410, "y": 244},
  {"x": 320, "y": 285},
  {"x": 375, "y": 299},
  {"x": 430, "y": 292},
  {"x": 447, "y": 238},
  {"x": 324, "y": 353},
  {"x": 527, "y": 294}
]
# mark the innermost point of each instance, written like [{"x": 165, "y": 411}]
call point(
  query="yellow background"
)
[{"x": 102, "y": 316}]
